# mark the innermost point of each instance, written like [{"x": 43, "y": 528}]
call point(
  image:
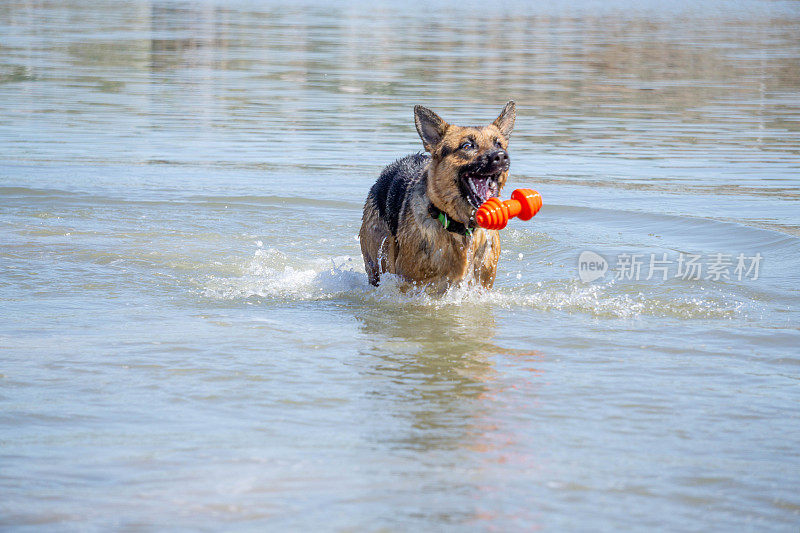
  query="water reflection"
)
[
  {"x": 435, "y": 376},
  {"x": 433, "y": 370}
]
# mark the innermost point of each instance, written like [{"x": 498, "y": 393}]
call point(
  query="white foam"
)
[{"x": 271, "y": 274}]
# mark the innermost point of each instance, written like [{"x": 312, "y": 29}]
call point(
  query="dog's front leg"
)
[{"x": 486, "y": 263}]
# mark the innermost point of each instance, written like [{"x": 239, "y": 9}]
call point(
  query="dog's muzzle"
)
[{"x": 480, "y": 179}]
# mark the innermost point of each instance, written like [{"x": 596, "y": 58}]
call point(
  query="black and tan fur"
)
[{"x": 400, "y": 232}]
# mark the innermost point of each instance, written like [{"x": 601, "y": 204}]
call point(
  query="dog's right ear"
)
[{"x": 430, "y": 126}]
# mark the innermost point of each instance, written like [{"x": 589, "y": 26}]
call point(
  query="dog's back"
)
[
  {"x": 383, "y": 210},
  {"x": 389, "y": 192}
]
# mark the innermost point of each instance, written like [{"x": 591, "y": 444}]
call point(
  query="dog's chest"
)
[{"x": 451, "y": 255}]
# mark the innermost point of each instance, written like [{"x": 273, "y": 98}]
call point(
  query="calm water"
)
[{"x": 188, "y": 339}]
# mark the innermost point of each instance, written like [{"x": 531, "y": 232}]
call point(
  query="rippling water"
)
[{"x": 188, "y": 339}]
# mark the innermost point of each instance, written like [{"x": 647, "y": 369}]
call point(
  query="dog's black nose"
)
[{"x": 497, "y": 159}]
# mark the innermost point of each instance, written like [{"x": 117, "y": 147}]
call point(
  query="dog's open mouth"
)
[{"x": 477, "y": 187}]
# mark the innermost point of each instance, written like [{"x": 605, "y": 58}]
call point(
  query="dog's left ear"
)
[{"x": 505, "y": 122}]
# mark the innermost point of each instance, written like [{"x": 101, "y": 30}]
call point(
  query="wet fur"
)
[{"x": 399, "y": 236}]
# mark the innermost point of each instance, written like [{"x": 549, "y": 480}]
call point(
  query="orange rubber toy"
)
[{"x": 494, "y": 213}]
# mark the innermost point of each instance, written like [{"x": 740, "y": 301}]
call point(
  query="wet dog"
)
[{"x": 418, "y": 219}]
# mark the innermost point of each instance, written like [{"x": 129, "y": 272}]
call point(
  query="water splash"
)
[
  {"x": 469, "y": 277},
  {"x": 382, "y": 257},
  {"x": 272, "y": 275}
]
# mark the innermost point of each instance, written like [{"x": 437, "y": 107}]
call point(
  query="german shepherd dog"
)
[{"x": 418, "y": 219}]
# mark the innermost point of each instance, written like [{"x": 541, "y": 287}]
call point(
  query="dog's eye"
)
[
  {"x": 467, "y": 145},
  {"x": 497, "y": 143}
]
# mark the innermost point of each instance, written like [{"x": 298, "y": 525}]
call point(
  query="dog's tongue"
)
[{"x": 482, "y": 188}]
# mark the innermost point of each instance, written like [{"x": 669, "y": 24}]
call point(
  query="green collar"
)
[{"x": 453, "y": 226}]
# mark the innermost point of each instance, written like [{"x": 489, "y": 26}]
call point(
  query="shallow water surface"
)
[{"x": 187, "y": 335}]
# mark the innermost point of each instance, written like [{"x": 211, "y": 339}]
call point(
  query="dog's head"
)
[{"x": 469, "y": 164}]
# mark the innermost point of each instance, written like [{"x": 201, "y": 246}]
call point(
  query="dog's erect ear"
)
[
  {"x": 430, "y": 127},
  {"x": 505, "y": 122}
]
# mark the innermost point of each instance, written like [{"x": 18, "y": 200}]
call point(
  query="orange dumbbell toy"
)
[{"x": 494, "y": 213}]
